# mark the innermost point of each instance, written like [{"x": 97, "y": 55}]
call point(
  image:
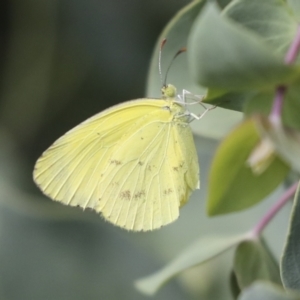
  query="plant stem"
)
[
  {"x": 293, "y": 51},
  {"x": 290, "y": 58},
  {"x": 259, "y": 227},
  {"x": 277, "y": 104}
]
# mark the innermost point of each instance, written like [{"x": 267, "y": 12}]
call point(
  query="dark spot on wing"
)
[
  {"x": 116, "y": 162},
  {"x": 125, "y": 195},
  {"x": 179, "y": 167},
  {"x": 168, "y": 191},
  {"x": 139, "y": 194},
  {"x": 141, "y": 163}
]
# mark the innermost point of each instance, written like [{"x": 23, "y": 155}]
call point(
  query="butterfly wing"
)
[
  {"x": 67, "y": 169},
  {"x": 145, "y": 186},
  {"x": 185, "y": 160},
  {"x": 123, "y": 163}
]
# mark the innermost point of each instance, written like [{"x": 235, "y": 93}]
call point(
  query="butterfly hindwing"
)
[
  {"x": 145, "y": 184},
  {"x": 132, "y": 190}
]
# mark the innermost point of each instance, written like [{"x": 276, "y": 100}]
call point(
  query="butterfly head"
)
[{"x": 168, "y": 91}]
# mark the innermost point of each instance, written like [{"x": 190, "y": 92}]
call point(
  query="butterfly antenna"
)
[
  {"x": 179, "y": 52},
  {"x": 163, "y": 42}
]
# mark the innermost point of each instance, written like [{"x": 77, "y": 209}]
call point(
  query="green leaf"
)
[
  {"x": 200, "y": 252},
  {"x": 295, "y": 6},
  {"x": 267, "y": 291},
  {"x": 290, "y": 262},
  {"x": 223, "y": 3},
  {"x": 232, "y": 184},
  {"x": 291, "y": 106},
  {"x": 224, "y": 55},
  {"x": 277, "y": 30},
  {"x": 254, "y": 261},
  {"x": 234, "y": 287},
  {"x": 286, "y": 141},
  {"x": 260, "y": 103},
  {"x": 177, "y": 32},
  {"x": 231, "y": 100}
]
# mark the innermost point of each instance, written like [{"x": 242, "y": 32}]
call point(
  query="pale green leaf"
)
[
  {"x": 277, "y": 30},
  {"x": 295, "y": 6},
  {"x": 254, "y": 261},
  {"x": 232, "y": 100},
  {"x": 176, "y": 33},
  {"x": 290, "y": 262},
  {"x": 200, "y": 252},
  {"x": 224, "y": 55},
  {"x": 267, "y": 291}
]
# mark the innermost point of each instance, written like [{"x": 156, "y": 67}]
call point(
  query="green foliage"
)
[
  {"x": 198, "y": 253},
  {"x": 290, "y": 263},
  {"x": 295, "y": 6},
  {"x": 233, "y": 185},
  {"x": 177, "y": 32},
  {"x": 226, "y": 56},
  {"x": 267, "y": 291},
  {"x": 56, "y": 72},
  {"x": 277, "y": 30},
  {"x": 239, "y": 55},
  {"x": 254, "y": 261}
]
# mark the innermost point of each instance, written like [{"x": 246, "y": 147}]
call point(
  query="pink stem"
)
[
  {"x": 293, "y": 51},
  {"x": 259, "y": 227},
  {"x": 277, "y": 104},
  {"x": 290, "y": 58}
]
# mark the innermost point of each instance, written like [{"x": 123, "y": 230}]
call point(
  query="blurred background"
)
[{"x": 60, "y": 63}]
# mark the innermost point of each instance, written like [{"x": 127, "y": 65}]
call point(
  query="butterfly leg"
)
[
  {"x": 186, "y": 94},
  {"x": 198, "y": 117},
  {"x": 199, "y": 98},
  {"x": 183, "y": 100}
]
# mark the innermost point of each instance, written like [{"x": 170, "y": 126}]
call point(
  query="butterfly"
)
[{"x": 135, "y": 163}]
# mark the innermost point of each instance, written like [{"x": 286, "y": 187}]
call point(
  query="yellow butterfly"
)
[{"x": 135, "y": 163}]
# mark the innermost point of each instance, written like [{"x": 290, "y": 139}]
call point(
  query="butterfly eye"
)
[{"x": 168, "y": 91}]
